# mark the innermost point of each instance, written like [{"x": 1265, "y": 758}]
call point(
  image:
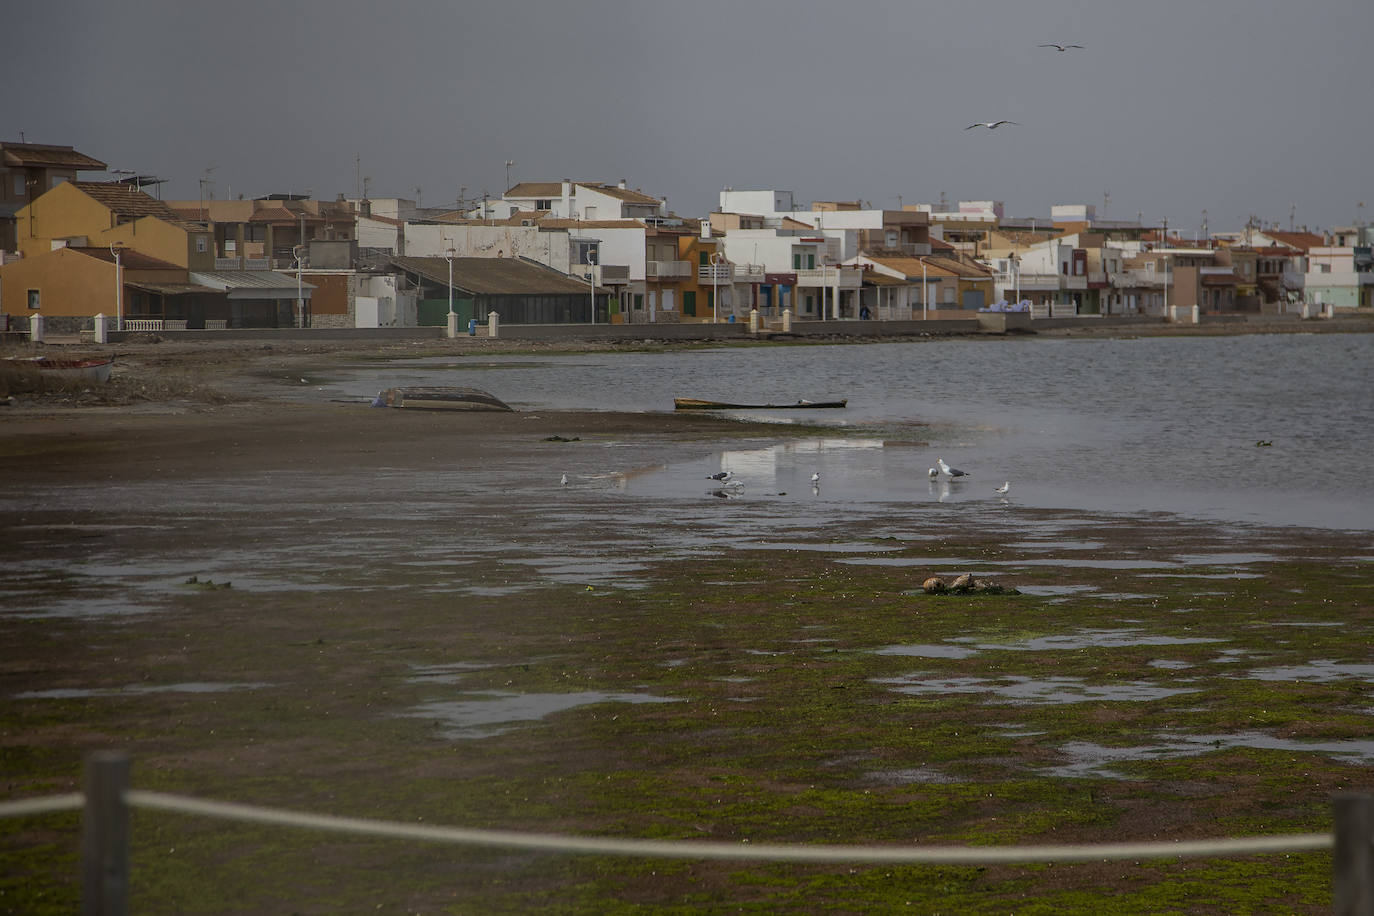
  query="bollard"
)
[
  {"x": 452, "y": 324},
  {"x": 102, "y": 330},
  {"x": 1353, "y": 859},
  {"x": 787, "y": 321},
  {"x": 753, "y": 321},
  {"x": 1196, "y": 315},
  {"x": 493, "y": 322},
  {"x": 105, "y": 835},
  {"x": 36, "y": 328}
]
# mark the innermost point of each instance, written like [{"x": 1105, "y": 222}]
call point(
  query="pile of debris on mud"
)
[{"x": 967, "y": 584}]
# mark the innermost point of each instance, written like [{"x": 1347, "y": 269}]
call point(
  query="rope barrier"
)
[
  {"x": 689, "y": 849},
  {"x": 46, "y": 805}
]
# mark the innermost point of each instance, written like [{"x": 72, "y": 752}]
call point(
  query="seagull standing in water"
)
[
  {"x": 1003, "y": 489},
  {"x": 563, "y": 481},
  {"x": 722, "y": 476},
  {"x": 816, "y": 478},
  {"x": 933, "y": 473},
  {"x": 949, "y": 471}
]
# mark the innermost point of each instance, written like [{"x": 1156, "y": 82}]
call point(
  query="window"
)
[
  {"x": 19, "y": 186},
  {"x": 703, "y": 258},
  {"x": 949, "y": 295},
  {"x": 796, "y": 260},
  {"x": 689, "y": 303},
  {"x": 810, "y": 262},
  {"x": 200, "y": 244},
  {"x": 33, "y": 299},
  {"x": 542, "y": 205}
]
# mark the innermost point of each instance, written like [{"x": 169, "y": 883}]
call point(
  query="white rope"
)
[
  {"x": 688, "y": 849},
  {"x": 45, "y": 805}
]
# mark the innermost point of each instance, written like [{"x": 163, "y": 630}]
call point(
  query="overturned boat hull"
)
[{"x": 435, "y": 398}]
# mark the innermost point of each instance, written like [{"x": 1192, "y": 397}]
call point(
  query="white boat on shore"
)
[{"x": 95, "y": 371}]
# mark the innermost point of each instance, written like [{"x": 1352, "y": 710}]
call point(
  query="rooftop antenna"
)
[
  {"x": 358, "y": 166},
  {"x": 1106, "y": 199},
  {"x": 205, "y": 182},
  {"x": 417, "y": 196},
  {"x": 1292, "y": 215},
  {"x": 462, "y": 196}
]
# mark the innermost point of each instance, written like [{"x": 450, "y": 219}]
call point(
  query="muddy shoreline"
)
[{"x": 400, "y": 615}]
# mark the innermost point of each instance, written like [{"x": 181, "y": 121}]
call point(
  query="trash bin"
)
[
  {"x": 472, "y": 327},
  {"x": 732, "y": 319}
]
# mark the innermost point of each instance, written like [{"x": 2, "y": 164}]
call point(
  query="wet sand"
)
[{"x": 297, "y": 605}]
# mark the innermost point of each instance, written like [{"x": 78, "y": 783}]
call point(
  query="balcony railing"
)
[
  {"x": 667, "y": 270},
  {"x": 846, "y": 277},
  {"x": 715, "y": 273},
  {"x": 749, "y": 273}
]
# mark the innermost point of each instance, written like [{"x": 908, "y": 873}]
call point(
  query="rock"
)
[
  {"x": 964, "y": 583},
  {"x": 934, "y": 586}
]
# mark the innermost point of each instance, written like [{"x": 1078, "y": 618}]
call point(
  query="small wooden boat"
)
[
  {"x": 434, "y": 398},
  {"x": 95, "y": 371},
  {"x": 699, "y": 404}
]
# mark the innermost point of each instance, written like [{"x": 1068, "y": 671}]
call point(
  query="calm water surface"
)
[{"x": 1149, "y": 424}]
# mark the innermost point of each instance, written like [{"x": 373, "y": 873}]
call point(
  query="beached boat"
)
[
  {"x": 95, "y": 371},
  {"x": 699, "y": 404},
  {"x": 434, "y": 398}
]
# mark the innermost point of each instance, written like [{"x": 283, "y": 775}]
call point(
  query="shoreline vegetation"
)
[{"x": 387, "y": 640}]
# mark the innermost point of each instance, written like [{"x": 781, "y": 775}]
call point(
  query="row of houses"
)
[{"x": 566, "y": 251}]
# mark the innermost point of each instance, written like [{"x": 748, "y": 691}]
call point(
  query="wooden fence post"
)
[
  {"x": 105, "y": 836},
  {"x": 1353, "y": 861}
]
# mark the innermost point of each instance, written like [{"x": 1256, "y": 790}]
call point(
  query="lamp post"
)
[
  {"x": 115, "y": 249},
  {"x": 716, "y": 258},
  {"x": 591, "y": 279},
  {"x": 925, "y": 292},
  {"x": 452, "y": 315},
  {"x": 296, "y": 252}
]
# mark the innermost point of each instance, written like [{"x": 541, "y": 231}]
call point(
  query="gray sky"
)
[{"x": 1235, "y": 106}]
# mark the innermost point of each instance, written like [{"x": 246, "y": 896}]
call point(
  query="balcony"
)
[
  {"x": 716, "y": 273},
  {"x": 749, "y": 273},
  {"x": 847, "y": 277},
  {"x": 667, "y": 270}
]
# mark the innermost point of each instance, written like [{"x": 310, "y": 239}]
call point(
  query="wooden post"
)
[
  {"x": 1353, "y": 861},
  {"x": 105, "y": 836}
]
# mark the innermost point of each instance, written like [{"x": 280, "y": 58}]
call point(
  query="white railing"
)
[
  {"x": 664, "y": 270},
  {"x": 848, "y": 277},
  {"x": 749, "y": 273},
  {"x": 216, "y": 324},
  {"x": 715, "y": 273},
  {"x": 143, "y": 324}
]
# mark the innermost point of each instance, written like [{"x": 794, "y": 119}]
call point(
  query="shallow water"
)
[{"x": 1151, "y": 424}]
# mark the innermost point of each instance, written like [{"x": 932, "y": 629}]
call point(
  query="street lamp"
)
[
  {"x": 591, "y": 279},
  {"x": 115, "y": 249},
  {"x": 925, "y": 291},
  {"x": 716, "y": 259},
  {"x": 296, "y": 252}
]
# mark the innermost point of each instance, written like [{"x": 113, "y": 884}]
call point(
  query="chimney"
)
[{"x": 621, "y": 185}]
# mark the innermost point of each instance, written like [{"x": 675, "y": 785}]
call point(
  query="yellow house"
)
[
  {"x": 73, "y": 282},
  {"x": 96, "y": 214}
]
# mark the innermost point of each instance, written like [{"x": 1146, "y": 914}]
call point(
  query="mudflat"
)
[{"x": 406, "y": 616}]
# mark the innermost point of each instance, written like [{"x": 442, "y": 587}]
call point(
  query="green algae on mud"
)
[{"x": 787, "y": 729}]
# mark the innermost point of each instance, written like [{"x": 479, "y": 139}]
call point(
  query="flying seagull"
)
[
  {"x": 949, "y": 471},
  {"x": 1003, "y": 488},
  {"x": 1059, "y": 47},
  {"x": 990, "y": 125}
]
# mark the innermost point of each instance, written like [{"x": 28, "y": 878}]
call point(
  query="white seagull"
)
[
  {"x": 1004, "y": 488},
  {"x": 933, "y": 473},
  {"x": 721, "y": 476},
  {"x": 990, "y": 125},
  {"x": 1059, "y": 47},
  {"x": 949, "y": 471},
  {"x": 563, "y": 481},
  {"x": 816, "y": 477}
]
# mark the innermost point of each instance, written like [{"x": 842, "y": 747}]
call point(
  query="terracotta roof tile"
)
[{"x": 39, "y": 155}]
